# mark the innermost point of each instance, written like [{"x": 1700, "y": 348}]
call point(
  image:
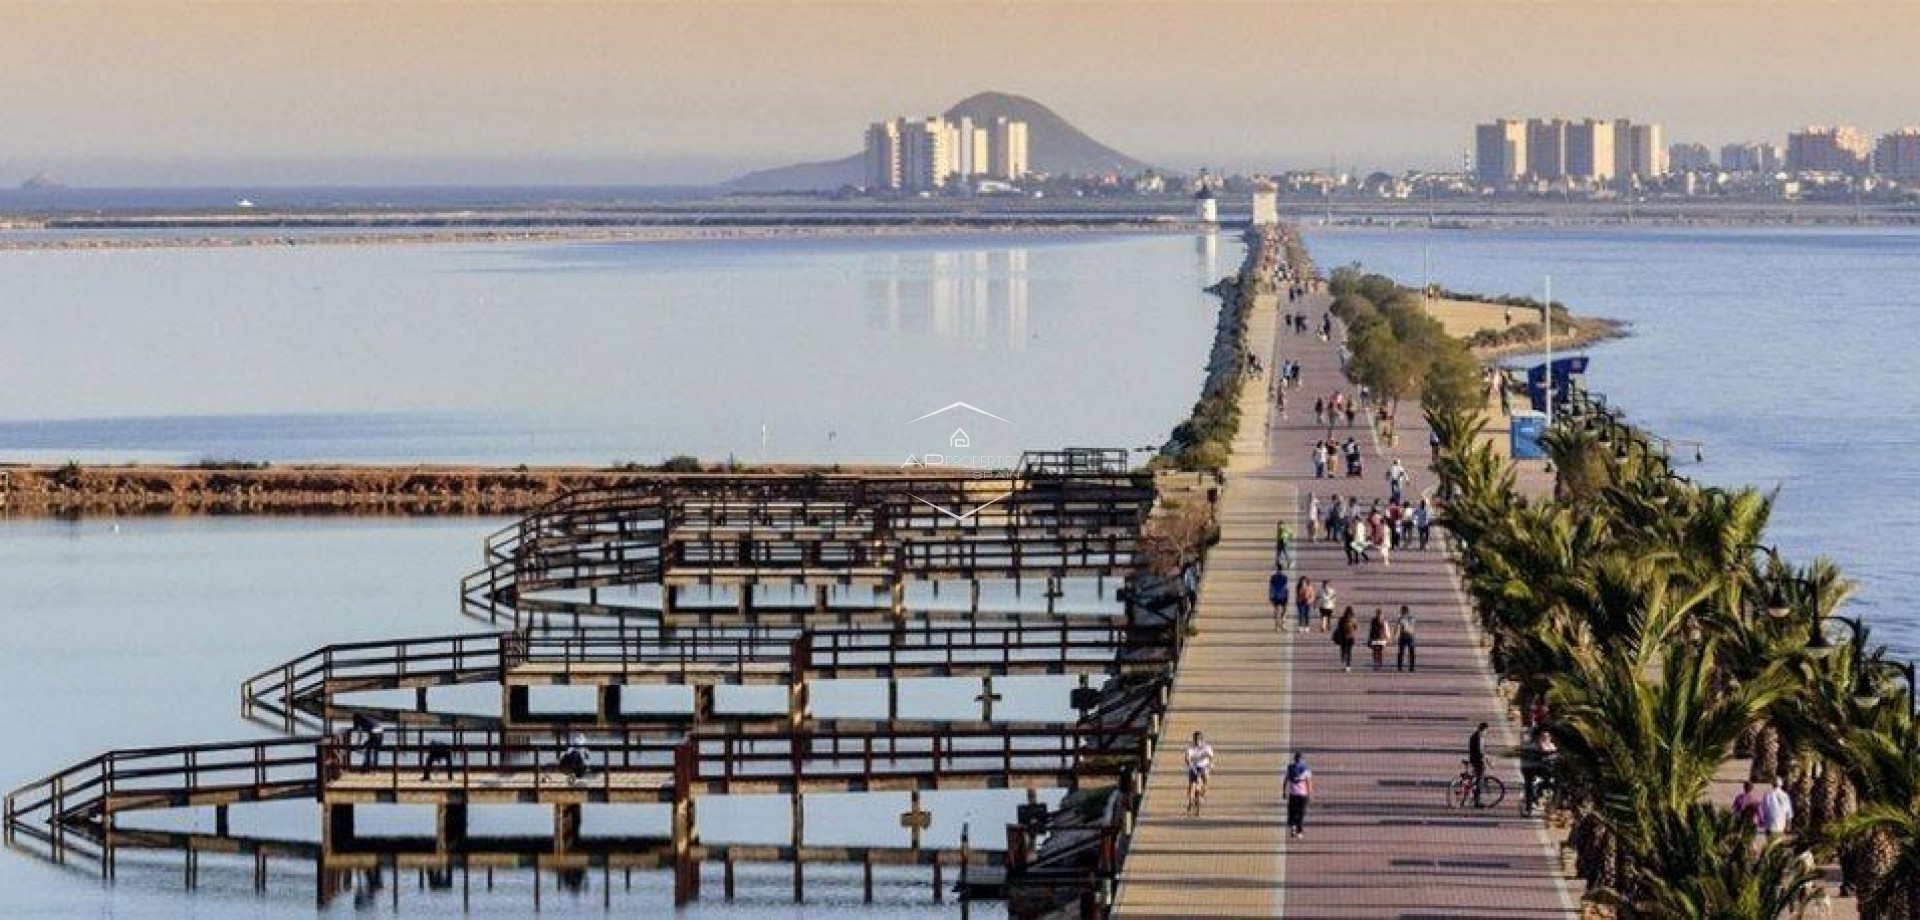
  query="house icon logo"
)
[{"x": 959, "y": 438}]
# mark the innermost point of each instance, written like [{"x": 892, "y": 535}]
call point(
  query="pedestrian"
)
[
  {"x": 1356, "y": 545},
  {"x": 1283, "y": 544},
  {"x": 1378, "y": 632},
  {"x": 1319, "y": 412},
  {"x": 1423, "y": 522},
  {"x": 1321, "y": 457},
  {"x": 437, "y": 752},
  {"x": 1326, "y": 605},
  {"x": 1747, "y": 805},
  {"x": 1396, "y": 482},
  {"x": 1277, "y": 594},
  {"x": 1313, "y": 517},
  {"x": 1304, "y": 599},
  {"x": 1299, "y": 793},
  {"x": 372, "y": 733},
  {"x": 1199, "y": 772},
  {"x": 1351, "y": 414},
  {"x": 1344, "y": 636},
  {"x": 1477, "y": 761},
  {"x": 1407, "y": 655},
  {"x": 1776, "y": 811}
]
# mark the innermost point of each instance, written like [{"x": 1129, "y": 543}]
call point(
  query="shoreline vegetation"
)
[
  {"x": 1663, "y": 643},
  {"x": 1503, "y": 326},
  {"x": 1640, "y": 619}
]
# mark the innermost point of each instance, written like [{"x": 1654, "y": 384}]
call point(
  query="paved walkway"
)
[{"x": 1380, "y": 840}]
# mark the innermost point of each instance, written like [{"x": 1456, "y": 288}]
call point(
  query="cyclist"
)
[
  {"x": 1199, "y": 770},
  {"x": 1477, "y": 761}
]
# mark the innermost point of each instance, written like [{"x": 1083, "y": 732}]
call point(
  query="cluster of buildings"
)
[
  {"x": 1541, "y": 155},
  {"x": 934, "y": 153},
  {"x": 1558, "y": 154}
]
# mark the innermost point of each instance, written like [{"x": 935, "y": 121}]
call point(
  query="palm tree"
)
[{"x": 1727, "y": 877}]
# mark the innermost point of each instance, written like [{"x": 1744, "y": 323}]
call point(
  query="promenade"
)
[{"x": 1380, "y": 841}]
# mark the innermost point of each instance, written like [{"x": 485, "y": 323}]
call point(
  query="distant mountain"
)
[
  {"x": 1053, "y": 146},
  {"x": 44, "y": 181}
]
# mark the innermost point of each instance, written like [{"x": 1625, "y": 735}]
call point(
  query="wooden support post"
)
[
  {"x": 686, "y": 872},
  {"x": 1053, "y": 593},
  {"x": 744, "y": 600},
  {"x": 821, "y": 597},
  {"x": 419, "y": 699},
  {"x": 893, "y": 699},
  {"x": 703, "y": 703},
  {"x": 939, "y": 881},
  {"x": 669, "y": 604},
  {"x": 220, "y": 826},
  {"x": 987, "y": 698},
  {"x": 336, "y": 827},
  {"x": 973, "y": 595},
  {"x": 566, "y": 827},
  {"x": 450, "y": 828},
  {"x": 799, "y": 840},
  {"x": 609, "y": 704},
  {"x": 726, "y": 876},
  {"x": 915, "y": 819},
  {"x": 799, "y": 700},
  {"x": 517, "y": 705},
  {"x": 866, "y": 874},
  {"x": 897, "y": 601}
]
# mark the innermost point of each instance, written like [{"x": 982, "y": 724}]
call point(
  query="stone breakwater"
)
[
  {"x": 43, "y": 491},
  {"x": 1203, "y": 441}
]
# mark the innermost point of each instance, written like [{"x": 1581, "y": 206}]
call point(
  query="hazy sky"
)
[{"x": 164, "y": 92}]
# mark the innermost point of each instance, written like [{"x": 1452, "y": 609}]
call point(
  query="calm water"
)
[
  {"x": 604, "y": 352},
  {"x": 1788, "y": 352}
]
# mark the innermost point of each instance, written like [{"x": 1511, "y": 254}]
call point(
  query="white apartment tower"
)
[
  {"x": 883, "y": 156},
  {"x": 1007, "y": 149},
  {"x": 926, "y": 154}
]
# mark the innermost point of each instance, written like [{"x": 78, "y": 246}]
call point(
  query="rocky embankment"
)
[{"x": 33, "y": 491}]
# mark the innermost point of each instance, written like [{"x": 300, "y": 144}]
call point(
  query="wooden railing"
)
[{"x": 169, "y": 776}]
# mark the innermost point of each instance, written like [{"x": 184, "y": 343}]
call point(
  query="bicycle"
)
[{"x": 1460, "y": 792}]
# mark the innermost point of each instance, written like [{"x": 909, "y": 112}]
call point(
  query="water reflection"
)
[{"x": 980, "y": 296}]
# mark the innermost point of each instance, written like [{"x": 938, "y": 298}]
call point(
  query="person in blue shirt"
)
[{"x": 1277, "y": 595}]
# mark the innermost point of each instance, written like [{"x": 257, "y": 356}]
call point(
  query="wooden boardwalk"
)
[{"x": 1380, "y": 840}]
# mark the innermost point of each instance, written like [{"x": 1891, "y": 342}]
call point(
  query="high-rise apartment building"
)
[
  {"x": 1690, "y": 157},
  {"x": 1547, "y": 148},
  {"x": 1751, "y": 157},
  {"x": 1007, "y": 149},
  {"x": 1500, "y": 152},
  {"x": 926, "y": 154},
  {"x": 883, "y": 156},
  {"x": 1638, "y": 152},
  {"x": 1590, "y": 148},
  {"x": 1840, "y": 149},
  {"x": 1898, "y": 154}
]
